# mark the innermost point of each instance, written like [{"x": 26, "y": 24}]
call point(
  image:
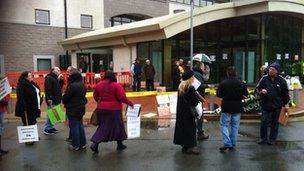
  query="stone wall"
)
[{"x": 20, "y": 42}]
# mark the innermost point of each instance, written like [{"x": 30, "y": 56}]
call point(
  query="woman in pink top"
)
[{"x": 109, "y": 96}]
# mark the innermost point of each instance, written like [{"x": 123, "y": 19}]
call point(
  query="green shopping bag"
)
[{"x": 56, "y": 115}]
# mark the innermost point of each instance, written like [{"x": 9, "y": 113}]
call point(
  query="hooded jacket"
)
[
  {"x": 27, "y": 98},
  {"x": 74, "y": 98}
]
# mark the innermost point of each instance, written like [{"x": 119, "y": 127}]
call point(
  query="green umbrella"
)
[{"x": 202, "y": 58}]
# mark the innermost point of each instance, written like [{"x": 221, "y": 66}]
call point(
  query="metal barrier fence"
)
[{"x": 90, "y": 79}]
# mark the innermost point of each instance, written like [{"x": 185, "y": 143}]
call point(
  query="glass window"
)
[
  {"x": 86, "y": 21},
  {"x": 42, "y": 17},
  {"x": 44, "y": 64}
]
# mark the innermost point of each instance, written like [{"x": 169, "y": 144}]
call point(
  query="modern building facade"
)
[
  {"x": 30, "y": 30},
  {"x": 242, "y": 33}
]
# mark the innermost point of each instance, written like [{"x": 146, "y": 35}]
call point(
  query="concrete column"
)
[
  {"x": 74, "y": 58},
  {"x": 167, "y": 63}
]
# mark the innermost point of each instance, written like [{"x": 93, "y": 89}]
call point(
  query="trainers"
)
[
  {"x": 121, "y": 147},
  {"x": 54, "y": 130},
  {"x": 83, "y": 147},
  {"x": 202, "y": 136},
  {"x": 193, "y": 150},
  {"x": 262, "y": 141},
  {"x": 2, "y": 152},
  {"x": 72, "y": 148},
  {"x": 94, "y": 148},
  {"x": 48, "y": 132},
  {"x": 271, "y": 142}
]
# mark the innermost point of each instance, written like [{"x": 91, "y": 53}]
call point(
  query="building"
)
[
  {"x": 242, "y": 33},
  {"x": 30, "y": 30}
]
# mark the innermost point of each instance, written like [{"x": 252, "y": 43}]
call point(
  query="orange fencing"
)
[{"x": 90, "y": 79}]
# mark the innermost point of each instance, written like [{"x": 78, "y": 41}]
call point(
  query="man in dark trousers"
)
[
  {"x": 53, "y": 84},
  {"x": 232, "y": 91},
  {"x": 273, "y": 91},
  {"x": 149, "y": 74},
  {"x": 136, "y": 72},
  {"x": 176, "y": 75},
  {"x": 198, "y": 69}
]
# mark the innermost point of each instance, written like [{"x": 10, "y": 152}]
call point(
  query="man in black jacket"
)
[
  {"x": 273, "y": 90},
  {"x": 232, "y": 91},
  {"x": 53, "y": 84}
]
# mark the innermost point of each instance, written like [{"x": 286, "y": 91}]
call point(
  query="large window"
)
[
  {"x": 86, "y": 21},
  {"x": 42, "y": 16},
  {"x": 200, "y": 2},
  {"x": 43, "y": 62},
  {"x": 124, "y": 19}
]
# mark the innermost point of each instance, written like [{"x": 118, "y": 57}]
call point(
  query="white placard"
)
[
  {"x": 286, "y": 55},
  {"x": 225, "y": 56},
  {"x": 162, "y": 99},
  {"x": 212, "y": 58},
  {"x": 296, "y": 57},
  {"x": 278, "y": 56},
  {"x": 5, "y": 88},
  {"x": 133, "y": 127},
  {"x": 173, "y": 102},
  {"x": 133, "y": 112},
  {"x": 196, "y": 83},
  {"x": 27, "y": 133}
]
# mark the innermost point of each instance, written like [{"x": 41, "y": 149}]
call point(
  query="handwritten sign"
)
[
  {"x": 133, "y": 112},
  {"x": 133, "y": 127},
  {"x": 27, "y": 133},
  {"x": 162, "y": 99},
  {"x": 5, "y": 88}
]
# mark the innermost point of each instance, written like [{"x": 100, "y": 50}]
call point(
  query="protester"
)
[
  {"x": 206, "y": 72},
  {"x": 3, "y": 108},
  {"x": 149, "y": 74},
  {"x": 70, "y": 70},
  {"x": 53, "y": 84},
  {"x": 181, "y": 66},
  {"x": 109, "y": 96},
  {"x": 74, "y": 101},
  {"x": 273, "y": 91},
  {"x": 185, "y": 127},
  {"x": 198, "y": 69},
  {"x": 176, "y": 75},
  {"x": 136, "y": 72},
  {"x": 29, "y": 100},
  {"x": 232, "y": 91}
]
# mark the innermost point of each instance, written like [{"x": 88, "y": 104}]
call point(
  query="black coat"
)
[
  {"x": 149, "y": 72},
  {"x": 27, "y": 99},
  {"x": 232, "y": 91},
  {"x": 74, "y": 98},
  {"x": 52, "y": 87},
  {"x": 277, "y": 92},
  {"x": 185, "y": 127}
]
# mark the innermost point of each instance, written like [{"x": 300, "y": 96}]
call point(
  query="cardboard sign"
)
[
  {"x": 133, "y": 127},
  {"x": 5, "y": 88},
  {"x": 56, "y": 114},
  {"x": 173, "y": 102},
  {"x": 162, "y": 99},
  {"x": 196, "y": 83},
  {"x": 27, "y": 133},
  {"x": 164, "y": 116},
  {"x": 133, "y": 112}
]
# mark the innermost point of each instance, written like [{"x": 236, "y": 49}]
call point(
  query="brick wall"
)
[
  {"x": 152, "y": 8},
  {"x": 19, "y": 42}
]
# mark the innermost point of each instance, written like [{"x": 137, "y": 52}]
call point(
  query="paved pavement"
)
[{"x": 155, "y": 151}]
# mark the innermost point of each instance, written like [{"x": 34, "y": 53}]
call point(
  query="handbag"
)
[
  {"x": 94, "y": 118},
  {"x": 283, "y": 118}
]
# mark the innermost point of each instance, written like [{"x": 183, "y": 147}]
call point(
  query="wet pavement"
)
[{"x": 155, "y": 151}]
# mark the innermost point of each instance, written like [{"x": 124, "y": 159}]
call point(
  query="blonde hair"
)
[{"x": 185, "y": 84}]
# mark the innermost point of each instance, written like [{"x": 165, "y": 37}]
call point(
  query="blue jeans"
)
[
  {"x": 48, "y": 125},
  {"x": 232, "y": 122},
  {"x": 77, "y": 131},
  {"x": 1, "y": 122}
]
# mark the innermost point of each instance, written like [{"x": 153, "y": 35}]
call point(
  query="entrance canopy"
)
[{"x": 167, "y": 26}]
